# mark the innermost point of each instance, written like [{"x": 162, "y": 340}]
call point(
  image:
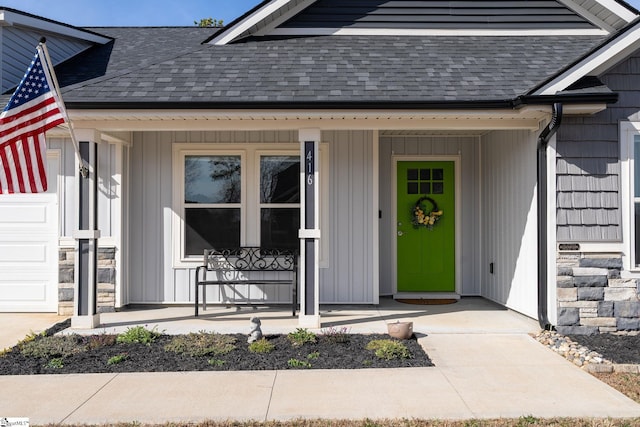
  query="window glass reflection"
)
[
  {"x": 212, "y": 179},
  {"x": 280, "y": 179}
]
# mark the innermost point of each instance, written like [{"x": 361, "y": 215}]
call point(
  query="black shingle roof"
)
[{"x": 170, "y": 65}]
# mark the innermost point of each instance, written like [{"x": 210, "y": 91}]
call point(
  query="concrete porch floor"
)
[{"x": 468, "y": 315}]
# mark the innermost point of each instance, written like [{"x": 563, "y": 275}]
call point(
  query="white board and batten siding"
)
[
  {"x": 346, "y": 276},
  {"x": 509, "y": 219},
  {"x": 29, "y": 247},
  {"x": 351, "y": 274}
]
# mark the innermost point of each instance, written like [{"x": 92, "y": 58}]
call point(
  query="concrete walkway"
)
[{"x": 487, "y": 366}]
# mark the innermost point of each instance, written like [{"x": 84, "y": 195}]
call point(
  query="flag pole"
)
[
  {"x": 84, "y": 171},
  {"x": 86, "y": 313}
]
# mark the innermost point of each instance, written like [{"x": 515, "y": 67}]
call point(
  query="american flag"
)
[{"x": 32, "y": 110}]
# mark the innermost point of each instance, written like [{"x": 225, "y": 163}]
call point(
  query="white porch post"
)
[
  {"x": 86, "y": 267},
  {"x": 309, "y": 229}
]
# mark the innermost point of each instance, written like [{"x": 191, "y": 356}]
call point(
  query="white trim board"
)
[
  {"x": 628, "y": 130},
  {"x": 10, "y": 18},
  {"x": 434, "y": 32}
]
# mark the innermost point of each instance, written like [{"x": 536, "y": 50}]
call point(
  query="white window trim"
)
[
  {"x": 628, "y": 130},
  {"x": 250, "y": 162},
  {"x": 180, "y": 151}
]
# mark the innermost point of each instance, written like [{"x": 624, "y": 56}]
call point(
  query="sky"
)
[
  {"x": 102, "y": 13},
  {"x": 99, "y": 13}
]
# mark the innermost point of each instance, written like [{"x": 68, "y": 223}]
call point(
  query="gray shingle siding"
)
[{"x": 588, "y": 162}]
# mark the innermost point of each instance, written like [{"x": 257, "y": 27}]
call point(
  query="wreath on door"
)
[{"x": 425, "y": 213}]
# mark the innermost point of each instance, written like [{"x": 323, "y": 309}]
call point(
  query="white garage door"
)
[{"x": 29, "y": 248}]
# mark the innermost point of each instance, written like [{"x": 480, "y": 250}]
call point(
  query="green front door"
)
[{"x": 426, "y": 226}]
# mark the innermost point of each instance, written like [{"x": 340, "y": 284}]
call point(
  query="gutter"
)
[
  {"x": 511, "y": 104},
  {"x": 543, "y": 142}
]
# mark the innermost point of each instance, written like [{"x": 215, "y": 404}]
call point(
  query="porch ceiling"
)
[{"x": 458, "y": 120}]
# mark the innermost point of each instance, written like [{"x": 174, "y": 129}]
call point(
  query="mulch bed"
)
[
  {"x": 614, "y": 347},
  {"x": 154, "y": 357}
]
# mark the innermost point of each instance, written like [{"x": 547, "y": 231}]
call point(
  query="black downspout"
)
[{"x": 543, "y": 142}]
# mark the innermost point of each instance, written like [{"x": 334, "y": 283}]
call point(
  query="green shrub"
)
[
  {"x": 215, "y": 362},
  {"x": 53, "y": 346},
  {"x": 55, "y": 363},
  {"x": 301, "y": 336},
  {"x": 118, "y": 358},
  {"x": 262, "y": 345},
  {"x": 389, "y": 349},
  {"x": 30, "y": 337},
  {"x": 139, "y": 335},
  {"x": 201, "y": 344},
  {"x": 313, "y": 356},
  {"x": 297, "y": 363}
]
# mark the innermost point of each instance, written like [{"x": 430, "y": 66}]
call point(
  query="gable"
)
[
  {"x": 277, "y": 18},
  {"x": 21, "y": 32},
  {"x": 495, "y": 14}
]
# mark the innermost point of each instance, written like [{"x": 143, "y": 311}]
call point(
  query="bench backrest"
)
[{"x": 251, "y": 258}]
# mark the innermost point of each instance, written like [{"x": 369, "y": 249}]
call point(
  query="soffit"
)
[{"x": 459, "y": 121}]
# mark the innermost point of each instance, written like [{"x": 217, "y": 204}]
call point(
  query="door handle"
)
[{"x": 400, "y": 233}]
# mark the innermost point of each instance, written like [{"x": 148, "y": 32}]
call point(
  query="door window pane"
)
[
  {"x": 211, "y": 228},
  {"x": 279, "y": 228},
  {"x": 280, "y": 179},
  {"x": 438, "y": 188},
  {"x": 212, "y": 179}
]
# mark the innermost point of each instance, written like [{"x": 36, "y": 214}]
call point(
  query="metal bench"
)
[{"x": 236, "y": 266}]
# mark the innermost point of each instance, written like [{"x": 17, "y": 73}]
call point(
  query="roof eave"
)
[
  {"x": 518, "y": 102},
  {"x": 10, "y": 16}
]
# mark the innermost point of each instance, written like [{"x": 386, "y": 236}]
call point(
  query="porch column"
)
[
  {"x": 86, "y": 262},
  {"x": 309, "y": 229}
]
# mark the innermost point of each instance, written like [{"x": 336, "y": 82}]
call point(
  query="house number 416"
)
[{"x": 309, "y": 167}]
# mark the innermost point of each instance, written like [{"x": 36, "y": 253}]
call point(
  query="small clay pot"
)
[{"x": 400, "y": 330}]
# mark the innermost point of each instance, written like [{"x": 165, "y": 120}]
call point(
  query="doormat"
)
[{"x": 426, "y": 301}]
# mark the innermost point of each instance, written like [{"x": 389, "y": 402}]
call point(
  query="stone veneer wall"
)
[
  {"x": 592, "y": 297},
  {"x": 106, "y": 280}
]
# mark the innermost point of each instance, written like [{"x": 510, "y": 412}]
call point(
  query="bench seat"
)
[{"x": 228, "y": 267}]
